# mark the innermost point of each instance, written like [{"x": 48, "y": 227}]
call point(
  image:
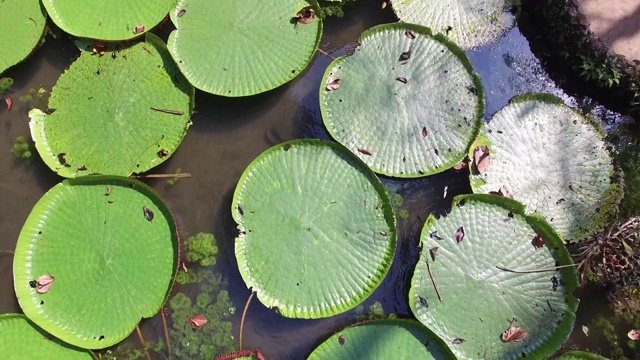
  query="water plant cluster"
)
[{"x": 321, "y": 200}]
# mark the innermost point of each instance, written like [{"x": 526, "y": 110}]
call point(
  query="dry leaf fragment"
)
[
  {"x": 538, "y": 241},
  {"x": 513, "y": 334},
  {"x": 402, "y": 80},
  {"x": 461, "y": 165},
  {"x": 9, "y": 103},
  {"x": 460, "y": 234},
  {"x": 306, "y": 15},
  {"x": 197, "y": 321},
  {"x": 182, "y": 12},
  {"x": 409, "y": 34},
  {"x": 505, "y": 192},
  {"x": 384, "y": 4},
  {"x": 458, "y": 341},
  {"x": 405, "y": 55},
  {"x": 341, "y": 339},
  {"x": 364, "y": 151},
  {"x": 44, "y": 283},
  {"x": 423, "y": 301},
  {"x": 138, "y": 29},
  {"x": 333, "y": 83},
  {"x": 433, "y": 251},
  {"x": 108, "y": 192},
  {"x": 481, "y": 159},
  {"x": 634, "y": 334},
  {"x": 99, "y": 48},
  {"x": 434, "y": 235},
  {"x": 148, "y": 214},
  {"x": 424, "y": 132}
]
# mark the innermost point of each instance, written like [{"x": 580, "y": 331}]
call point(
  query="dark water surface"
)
[{"x": 227, "y": 134}]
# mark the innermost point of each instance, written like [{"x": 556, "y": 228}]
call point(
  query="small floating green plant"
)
[
  {"x": 5, "y": 84},
  {"x": 22, "y": 149}
]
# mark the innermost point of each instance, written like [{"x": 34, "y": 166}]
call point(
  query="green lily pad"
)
[
  {"x": 317, "y": 231},
  {"x": 112, "y": 20},
  {"x": 385, "y": 339},
  {"x": 580, "y": 355},
  {"x": 21, "y": 28},
  {"x": 117, "y": 114},
  {"x": 469, "y": 23},
  {"x": 108, "y": 249},
  {"x": 23, "y": 340},
  {"x": 406, "y": 101},
  {"x": 553, "y": 160},
  {"x": 240, "y": 48},
  {"x": 463, "y": 251}
]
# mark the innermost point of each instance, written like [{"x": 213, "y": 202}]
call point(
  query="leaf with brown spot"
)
[
  {"x": 481, "y": 159},
  {"x": 513, "y": 334}
]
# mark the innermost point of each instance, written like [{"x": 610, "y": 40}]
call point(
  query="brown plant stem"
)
[
  {"x": 535, "y": 270},
  {"x": 149, "y": 176},
  {"x": 142, "y": 343},
  {"x": 166, "y": 333},
  {"x": 8, "y": 252},
  {"x": 244, "y": 313},
  {"x": 326, "y": 54},
  {"x": 434, "y": 282}
]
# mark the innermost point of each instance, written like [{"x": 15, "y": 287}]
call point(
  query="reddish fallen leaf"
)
[
  {"x": 458, "y": 341},
  {"x": 197, "y": 321},
  {"x": 505, "y": 192},
  {"x": 538, "y": 241},
  {"x": 138, "y": 29},
  {"x": 424, "y": 132},
  {"x": 100, "y": 48},
  {"x": 433, "y": 251},
  {"x": 405, "y": 55},
  {"x": 9, "y": 103},
  {"x": 409, "y": 34},
  {"x": 460, "y": 234},
  {"x": 148, "y": 214},
  {"x": 182, "y": 12},
  {"x": 513, "y": 334},
  {"x": 306, "y": 15},
  {"x": 364, "y": 151},
  {"x": 481, "y": 159},
  {"x": 184, "y": 267},
  {"x": 44, "y": 283},
  {"x": 461, "y": 165},
  {"x": 333, "y": 83},
  {"x": 341, "y": 339},
  {"x": 634, "y": 334}
]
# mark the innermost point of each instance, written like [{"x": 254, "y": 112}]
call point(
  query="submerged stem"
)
[
  {"x": 326, "y": 54},
  {"x": 142, "y": 343},
  {"x": 244, "y": 313},
  {"x": 166, "y": 333},
  {"x": 535, "y": 270},
  {"x": 9, "y": 252}
]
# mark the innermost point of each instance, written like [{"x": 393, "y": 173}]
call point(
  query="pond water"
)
[{"x": 227, "y": 134}]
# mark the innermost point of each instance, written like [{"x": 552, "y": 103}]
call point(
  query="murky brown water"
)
[{"x": 227, "y": 134}]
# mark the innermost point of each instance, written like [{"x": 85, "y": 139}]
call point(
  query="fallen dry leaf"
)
[
  {"x": 384, "y": 4},
  {"x": 197, "y": 321},
  {"x": 409, "y": 34},
  {"x": 538, "y": 241},
  {"x": 333, "y": 83},
  {"x": 306, "y": 15},
  {"x": 505, "y": 192},
  {"x": 9, "y": 103},
  {"x": 634, "y": 334},
  {"x": 513, "y": 334},
  {"x": 138, "y": 29},
  {"x": 458, "y": 341},
  {"x": 433, "y": 251},
  {"x": 481, "y": 159},
  {"x": 44, "y": 283},
  {"x": 460, "y": 234},
  {"x": 461, "y": 165}
]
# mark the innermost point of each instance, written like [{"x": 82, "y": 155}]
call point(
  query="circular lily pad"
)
[
  {"x": 117, "y": 114},
  {"x": 385, "y": 339},
  {"x": 107, "y": 19},
  {"x": 469, "y": 23},
  {"x": 95, "y": 256},
  {"x": 240, "y": 48},
  {"x": 499, "y": 293},
  {"x": 317, "y": 231},
  {"x": 21, "y": 339},
  {"x": 21, "y": 28},
  {"x": 553, "y": 160},
  {"x": 405, "y": 102}
]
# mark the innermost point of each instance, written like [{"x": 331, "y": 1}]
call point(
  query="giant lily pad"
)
[
  {"x": 115, "y": 114},
  {"x": 21, "y": 339},
  {"x": 469, "y": 23},
  {"x": 95, "y": 256},
  {"x": 317, "y": 231},
  {"x": 239, "y": 48},
  {"x": 107, "y": 19},
  {"x": 386, "y": 339},
  {"x": 525, "y": 308},
  {"x": 553, "y": 160},
  {"x": 405, "y": 102},
  {"x": 21, "y": 28},
  {"x": 580, "y": 355}
]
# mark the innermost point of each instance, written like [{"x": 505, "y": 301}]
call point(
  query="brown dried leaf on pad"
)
[
  {"x": 460, "y": 234},
  {"x": 513, "y": 334},
  {"x": 44, "y": 283},
  {"x": 333, "y": 83},
  {"x": 481, "y": 159},
  {"x": 306, "y": 15}
]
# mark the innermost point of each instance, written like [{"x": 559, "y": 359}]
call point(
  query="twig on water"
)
[
  {"x": 166, "y": 332},
  {"x": 8, "y": 252},
  {"x": 244, "y": 313},
  {"x": 167, "y": 111},
  {"x": 326, "y": 54},
  {"x": 434, "y": 282},
  {"x": 149, "y": 176},
  {"x": 142, "y": 343},
  {"x": 535, "y": 270}
]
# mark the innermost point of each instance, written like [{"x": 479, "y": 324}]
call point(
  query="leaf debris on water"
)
[
  {"x": 481, "y": 159},
  {"x": 306, "y": 15},
  {"x": 44, "y": 283},
  {"x": 333, "y": 83},
  {"x": 9, "y": 103},
  {"x": 197, "y": 321},
  {"x": 460, "y": 234},
  {"x": 148, "y": 214}
]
